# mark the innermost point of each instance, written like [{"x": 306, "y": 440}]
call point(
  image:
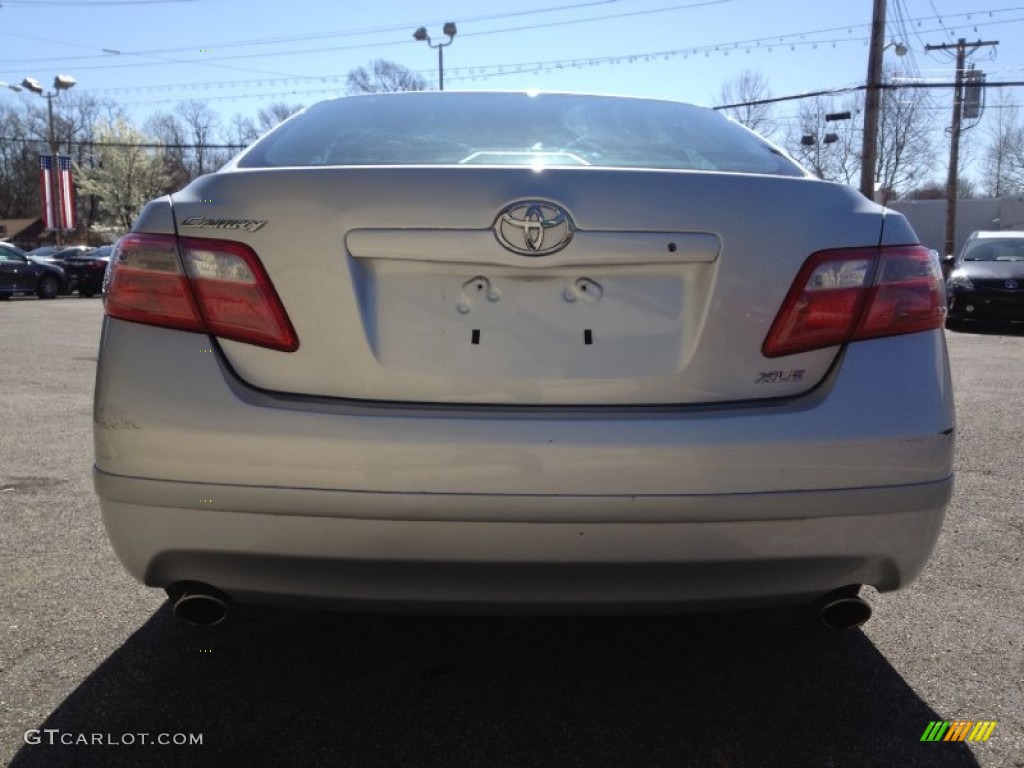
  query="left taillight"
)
[{"x": 197, "y": 284}]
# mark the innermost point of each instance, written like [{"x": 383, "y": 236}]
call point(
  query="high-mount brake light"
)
[
  {"x": 858, "y": 293},
  {"x": 197, "y": 284}
]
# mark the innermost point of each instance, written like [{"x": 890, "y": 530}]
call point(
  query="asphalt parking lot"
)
[{"x": 86, "y": 653}]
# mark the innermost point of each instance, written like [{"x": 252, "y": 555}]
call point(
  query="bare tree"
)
[
  {"x": 272, "y": 114},
  {"x": 19, "y": 166},
  {"x": 384, "y": 76},
  {"x": 167, "y": 129},
  {"x": 241, "y": 130},
  {"x": 201, "y": 124},
  {"x": 906, "y": 142},
  {"x": 744, "y": 89},
  {"x": 830, "y": 149},
  {"x": 191, "y": 135},
  {"x": 1003, "y": 163},
  {"x": 936, "y": 190},
  {"x": 906, "y": 150}
]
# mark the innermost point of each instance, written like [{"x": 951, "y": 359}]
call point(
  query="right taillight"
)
[
  {"x": 197, "y": 284},
  {"x": 858, "y": 293}
]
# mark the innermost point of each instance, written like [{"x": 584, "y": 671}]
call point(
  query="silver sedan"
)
[{"x": 487, "y": 352}]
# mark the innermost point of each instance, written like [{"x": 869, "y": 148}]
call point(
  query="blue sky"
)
[{"x": 240, "y": 55}]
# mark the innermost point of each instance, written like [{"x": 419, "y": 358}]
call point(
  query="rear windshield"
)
[{"x": 515, "y": 129}]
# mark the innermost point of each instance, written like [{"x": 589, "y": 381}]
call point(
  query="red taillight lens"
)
[
  {"x": 147, "y": 284},
  {"x": 858, "y": 293},
  {"x": 197, "y": 284}
]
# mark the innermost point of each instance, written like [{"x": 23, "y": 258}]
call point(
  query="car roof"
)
[{"x": 988, "y": 234}]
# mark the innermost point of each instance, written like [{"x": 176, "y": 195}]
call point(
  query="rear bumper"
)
[
  {"x": 493, "y": 553},
  {"x": 284, "y": 500}
]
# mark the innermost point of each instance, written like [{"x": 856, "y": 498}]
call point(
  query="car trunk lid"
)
[{"x": 400, "y": 288}]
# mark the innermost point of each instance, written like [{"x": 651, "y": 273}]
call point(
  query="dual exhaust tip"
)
[
  {"x": 843, "y": 608},
  {"x": 198, "y": 604},
  {"x": 204, "y": 606}
]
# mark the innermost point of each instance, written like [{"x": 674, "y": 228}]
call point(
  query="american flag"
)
[{"x": 67, "y": 218}]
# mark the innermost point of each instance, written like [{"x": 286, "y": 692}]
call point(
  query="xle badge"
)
[{"x": 779, "y": 377}]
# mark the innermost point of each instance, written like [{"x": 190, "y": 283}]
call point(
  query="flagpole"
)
[
  {"x": 60, "y": 83},
  {"x": 58, "y": 213}
]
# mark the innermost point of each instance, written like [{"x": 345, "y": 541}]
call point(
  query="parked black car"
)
[
  {"x": 85, "y": 270},
  {"x": 987, "y": 281},
  {"x": 21, "y": 274},
  {"x": 57, "y": 255},
  {"x": 53, "y": 254}
]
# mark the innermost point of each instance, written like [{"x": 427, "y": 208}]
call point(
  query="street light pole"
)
[
  {"x": 60, "y": 83},
  {"x": 449, "y": 30},
  {"x": 440, "y": 67}
]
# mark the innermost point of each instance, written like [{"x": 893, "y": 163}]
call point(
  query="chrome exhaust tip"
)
[
  {"x": 200, "y": 605},
  {"x": 843, "y": 609}
]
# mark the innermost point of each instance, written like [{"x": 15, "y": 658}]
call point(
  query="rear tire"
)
[
  {"x": 86, "y": 293},
  {"x": 47, "y": 287}
]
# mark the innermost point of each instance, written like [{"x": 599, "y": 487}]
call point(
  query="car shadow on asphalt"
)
[{"x": 365, "y": 690}]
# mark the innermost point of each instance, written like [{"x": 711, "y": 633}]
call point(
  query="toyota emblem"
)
[
  {"x": 1011, "y": 284},
  {"x": 534, "y": 228}
]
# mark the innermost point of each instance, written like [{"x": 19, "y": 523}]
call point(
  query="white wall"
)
[{"x": 928, "y": 217}]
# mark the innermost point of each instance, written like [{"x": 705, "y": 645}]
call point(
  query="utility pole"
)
[
  {"x": 872, "y": 101},
  {"x": 952, "y": 178}
]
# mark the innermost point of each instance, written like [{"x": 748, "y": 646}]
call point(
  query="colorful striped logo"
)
[{"x": 958, "y": 730}]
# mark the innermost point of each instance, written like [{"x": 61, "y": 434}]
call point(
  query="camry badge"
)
[
  {"x": 1011, "y": 284},
  {"x": 249, "y": 225},
  {"x": 534, "y": 228}
]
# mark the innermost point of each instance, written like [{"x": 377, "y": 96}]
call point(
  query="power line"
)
[
  {"x": 855, "y": 88},
  {"x": 406, "y": 41},
  {"x": 213, "y": 61},
  {"x": 485, "y": 72},
  {"x": 398, "y": 27},
  {"x": 96, "y": 2},
  {"x": 763, "y": 42},
  {"x": 903, "y": 34}
]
